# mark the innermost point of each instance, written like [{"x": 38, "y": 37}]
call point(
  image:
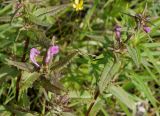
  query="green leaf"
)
[
  {"x": 151, "y": 45},
  {"x": 55, "y": 87},
  {"x": 144, "y": 88},
  {"x": 81, "y": 97},
  {"x": 28, "y": 79},
  {"x": 88, "y": 17},
  {"x": 5, "y": 18},
  {"x": 21, "y": 65},
  {"x": 10, "y": 110},
  {"x": 153, "y": 76},
  {"x": 5, "y": 9},
  {"x": 67, "y": 114},
  {"x": 52, "y": 11},
  {"x": 96, "y": 107},
  {"x": 38, "y": 21},
  {"x": 134, "y": 55},
  {"x": 122, "y": 95},
  {"x": 108, "y": 73},
  {"x": 7, "y": 73},
  {"x": 4, "y": 111}
]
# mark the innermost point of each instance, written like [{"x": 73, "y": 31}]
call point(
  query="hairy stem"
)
[{"x": 22, "y": 60}]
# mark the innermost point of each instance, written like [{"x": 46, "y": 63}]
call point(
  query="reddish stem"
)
[{"x": 92, "y": 104}]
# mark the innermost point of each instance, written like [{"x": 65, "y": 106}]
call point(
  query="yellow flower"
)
[{"x": 78, "y": 5}]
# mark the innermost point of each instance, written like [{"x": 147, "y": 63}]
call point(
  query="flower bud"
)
[
  {"x": 117, "y": 31},
  {"x": 146, "y": 29}
]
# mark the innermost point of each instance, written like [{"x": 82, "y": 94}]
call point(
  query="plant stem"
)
[
  {"x": 22, "y": 60},
  {"x": 92, "y": 104}
]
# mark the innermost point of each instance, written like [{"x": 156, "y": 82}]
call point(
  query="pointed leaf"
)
[
  {"x": 21, "y": 65},
  {"x": 134, "y": 55},
  {"x": 97, "y": 106},
  {"x": 108, "y": 73},
  {"x": 29, "y": 79},
  {"x": 50, "y": 11},
  {"x": 122, "y": 95},
  {"x": 153, "y": 76},
  {"x": 143, "y": 87}
]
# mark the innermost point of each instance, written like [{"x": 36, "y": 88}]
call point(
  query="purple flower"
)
[
  {"x": 117, "y": 31},
  {"x": 33, "y": 53},
  {"x": 146, "y": 29},
  {"x": 51, "y": 51}
]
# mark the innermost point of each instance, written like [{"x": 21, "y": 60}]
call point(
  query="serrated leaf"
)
[
  {"x": 21, "y": 65},
  {"x": 50, "y": 11},
  {"x": 39, "y": 16},
  {"x": 108, "y": 73},
  {"x": 134, "y": 55},
  {"x": 38, "y": 21},
  {"x": 30, "y": 78}
]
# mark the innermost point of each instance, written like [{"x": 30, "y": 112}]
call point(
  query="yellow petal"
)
[
  {"x": 74, "y": 6},
  {"x": 81, "y": 2},
  {"x": 76, "y": 1},
  {"x": 80, "y": 8}
]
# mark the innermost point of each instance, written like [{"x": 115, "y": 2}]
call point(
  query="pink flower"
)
[
  {"x": 146, "y": 29},
  {"x": 51, "y": 51},
  {"x": 33, "y": 53}
]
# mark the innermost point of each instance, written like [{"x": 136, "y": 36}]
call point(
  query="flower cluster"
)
[{"x": 50, "y": 53}]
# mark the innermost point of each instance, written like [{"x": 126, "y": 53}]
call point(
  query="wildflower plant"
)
[{"x": 82, "y": 73}]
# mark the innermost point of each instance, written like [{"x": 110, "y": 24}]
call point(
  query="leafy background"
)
[{"x": 90, "y": 75}]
